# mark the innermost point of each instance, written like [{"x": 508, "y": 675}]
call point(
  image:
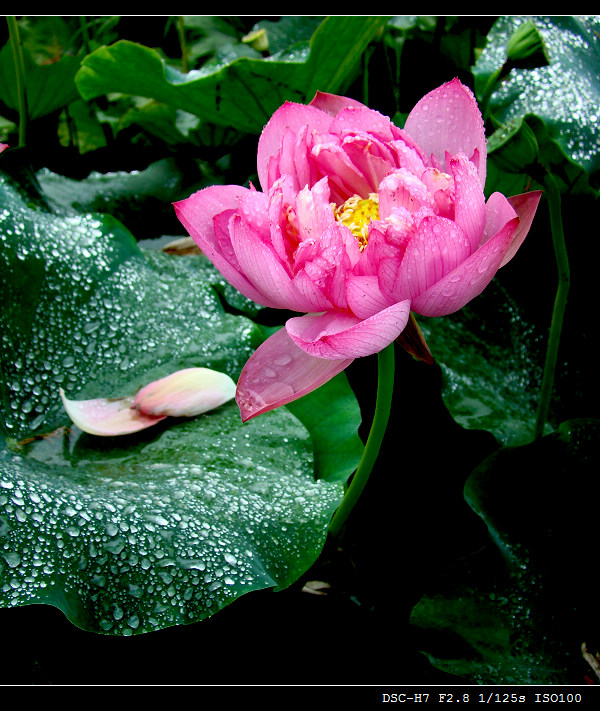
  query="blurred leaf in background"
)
[{"x": 241, "y": 92}]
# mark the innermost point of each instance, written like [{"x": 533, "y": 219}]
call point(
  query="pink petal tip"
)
[
  {"x": 278, "y": 373},
  {"x": 107, "y": 417}
]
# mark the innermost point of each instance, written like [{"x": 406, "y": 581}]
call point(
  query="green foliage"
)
[
  {"x": 562, "y": 89},
  {"x": 48, "y": 86},
  {"x": 130, "y": 197},
  {"x": 241, "y": 92}
]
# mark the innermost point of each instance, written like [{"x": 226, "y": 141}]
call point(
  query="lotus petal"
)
[
  {"x": 186, "y": 393},
  {"x": 107, "y": 417},
  {"x": 279, "y": 372}
]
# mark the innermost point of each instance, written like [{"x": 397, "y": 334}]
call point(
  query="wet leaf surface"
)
[
  {"x": 565, "y": 94},
  {"x": 489, "y": 383}
]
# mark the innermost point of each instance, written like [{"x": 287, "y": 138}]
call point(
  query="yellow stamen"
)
[{"x": 356, "y": 214}]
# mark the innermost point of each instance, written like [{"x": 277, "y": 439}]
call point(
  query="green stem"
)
[
  {"x": 85, "y": 34},
  {"x": 15, "y": 41},
  {"x": 560, "y": 302},
  {"x": 182, "y": 44},
  {"x": 385, "y": 388}
]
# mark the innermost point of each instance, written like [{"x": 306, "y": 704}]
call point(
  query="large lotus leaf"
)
[
  {"x": 126, "y": 537},
  {"x": 165, "y": 527},
  {"x": 242, "y": 93},
  {"x": 565, "y": 93},
  {"x": 131, "y": 197}
]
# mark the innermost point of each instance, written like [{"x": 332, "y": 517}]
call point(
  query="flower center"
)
[{"x": 356, "y": 214}]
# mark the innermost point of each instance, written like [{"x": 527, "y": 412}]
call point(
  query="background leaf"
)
[
  {"x": 242, "y": 93},
  {"x": 332, "y": 416},
  {"x": 130, "y": 196},
  {"x": 518, "y": 610},
  {"x": 48, "y": 87},
  {"x": 288, "y": 31},
  {"x": 565, "y": 94}
]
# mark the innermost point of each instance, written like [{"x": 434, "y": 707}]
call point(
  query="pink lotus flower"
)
[{"x": 359, "y": 223}]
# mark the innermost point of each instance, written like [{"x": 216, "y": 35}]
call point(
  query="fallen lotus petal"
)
[
  {"x": 185, "y": 393},
  {"x": 107, "y": 417}
]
